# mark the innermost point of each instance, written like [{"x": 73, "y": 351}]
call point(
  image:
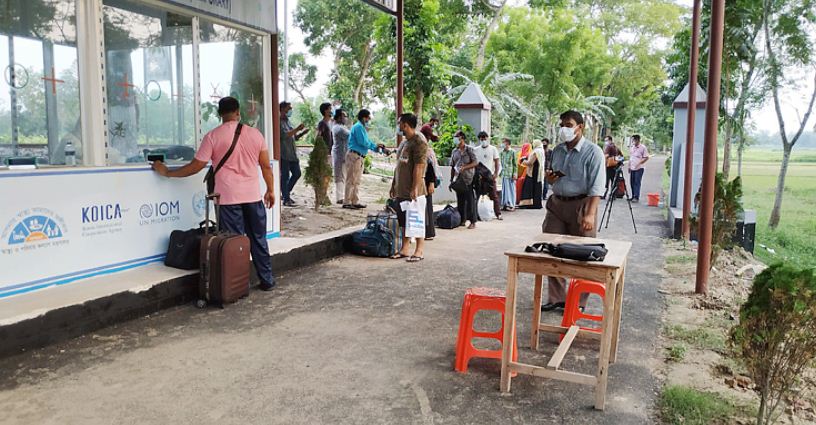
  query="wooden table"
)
[{"x": 610, "y": 272}]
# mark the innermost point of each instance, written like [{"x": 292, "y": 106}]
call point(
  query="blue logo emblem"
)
[
  {"x": 200, "y": 203},
  {"x": 146, "y": 211},
  {"x": 40, "y": 226},
  {"x": 97, "y": 213}
]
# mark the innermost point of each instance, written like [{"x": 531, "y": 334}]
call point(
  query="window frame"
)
[{"x": 91, "y": 56}]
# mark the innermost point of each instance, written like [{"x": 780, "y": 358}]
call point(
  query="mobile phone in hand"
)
[
  {"x": 558, "y": 173},
  {"x": 153, "y": 157}
]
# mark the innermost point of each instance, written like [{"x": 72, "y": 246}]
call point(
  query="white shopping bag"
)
[
  {"x": 486, "y": 209},
  {"x": 414, "y": 217}
]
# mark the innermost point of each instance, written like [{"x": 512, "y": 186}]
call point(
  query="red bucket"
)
[{"x": 654, "y": 199}]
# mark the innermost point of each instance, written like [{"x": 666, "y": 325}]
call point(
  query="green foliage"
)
[
  {"x": 318, "y": 172},
  {"x": 677, "y": 352},
  {"x": 727, "y": 210},
  {"x": 776, "y": 336},
  {"x": 448, "y": 126},
  {"x": 686, "y": 406},
  {"x": 367, "y": 164},
  {"x": 700, "y": 337}
]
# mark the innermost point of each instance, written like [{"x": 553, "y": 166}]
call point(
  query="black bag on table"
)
[
  {"x": 376, "y": 240},
  {"x": 571, "y": 251},
  {"x": 448, "y": 218},
  {"x": 184, "y": 249}
]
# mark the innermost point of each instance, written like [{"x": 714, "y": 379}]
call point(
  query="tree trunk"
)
[
  {"x": 740, "y": 151},
  {"x": 780, "y": 187},
  {"x": 419, "y": 99},
  {"x": 726, "y": 164},
  {"x": 497, "y": 13},
  {"x": 364, "y": 66}
]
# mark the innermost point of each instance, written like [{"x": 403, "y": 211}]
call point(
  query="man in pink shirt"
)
[
  {"x": 638, "y": 155},
  {"x": 243, "y": 209}
]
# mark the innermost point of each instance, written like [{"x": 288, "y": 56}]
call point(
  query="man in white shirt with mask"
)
[
  {"x": 577, "y": 180},
  {"x": 488, "y": 156}
]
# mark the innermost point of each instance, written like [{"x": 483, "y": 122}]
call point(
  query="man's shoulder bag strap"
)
[{"x": 210, "y": 177}]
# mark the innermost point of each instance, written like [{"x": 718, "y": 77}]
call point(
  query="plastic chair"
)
[
  {"x": 572, "y": 311},
  {"x": 478, "y": 299}
]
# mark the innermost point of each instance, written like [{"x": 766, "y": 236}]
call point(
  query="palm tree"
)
[{"x": 495, "y": 85}]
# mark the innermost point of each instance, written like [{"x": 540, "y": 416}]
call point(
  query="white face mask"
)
[
  {"x": 567, "y": 134},
  {"x": 485, "y": 143}
]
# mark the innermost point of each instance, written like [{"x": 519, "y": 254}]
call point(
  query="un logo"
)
[
  {"x": 200, "y": 203},
  {"x": 146, "y": 211}
]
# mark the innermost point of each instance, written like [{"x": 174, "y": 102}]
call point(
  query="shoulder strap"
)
[{"x": 212, "y": 171}]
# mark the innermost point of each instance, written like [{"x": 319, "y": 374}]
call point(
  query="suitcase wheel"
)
[{"x": 201, "y": 303}]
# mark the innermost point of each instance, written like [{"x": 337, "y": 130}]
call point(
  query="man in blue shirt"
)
[{"x": 358, "y": 147}]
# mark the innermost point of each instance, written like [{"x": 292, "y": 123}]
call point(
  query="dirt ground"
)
[
  {"x": 695, "y": 332},
  {"x": 304, "y": 220}
]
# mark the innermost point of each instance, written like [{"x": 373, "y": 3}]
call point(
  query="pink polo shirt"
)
[
  {"x": 237, "y": 181},
  {"x": 637, "y": 154}
]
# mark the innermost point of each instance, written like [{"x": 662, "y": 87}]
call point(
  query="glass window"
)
[
  {"x": 231, "y": 63},
  {"x": 149, "y": 77},
  {"x": 39, "y": 88}
]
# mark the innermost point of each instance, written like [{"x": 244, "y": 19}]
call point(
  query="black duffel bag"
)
[
  {"x": 571, "y": 251},
  {"x": 184, "y": 249},
  {"x": 447, "y": 218}
]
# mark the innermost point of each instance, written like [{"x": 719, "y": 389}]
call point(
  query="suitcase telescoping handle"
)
[{"x": 216, "y": 198}]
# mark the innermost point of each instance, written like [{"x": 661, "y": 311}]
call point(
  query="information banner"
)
[
  {"x": 259, "y": 14},
  {"x": 59, "y": 226}
]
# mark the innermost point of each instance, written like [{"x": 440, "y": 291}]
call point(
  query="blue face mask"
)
[{"x": 289, "y": 114}]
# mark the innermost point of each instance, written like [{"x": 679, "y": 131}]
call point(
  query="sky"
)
[{"x": 792, "y": 100}]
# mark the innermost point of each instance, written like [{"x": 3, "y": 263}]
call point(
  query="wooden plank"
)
[
  {"x": 618, "y": 314},
  {"x": 561, "y": 375},
  {"x": 549, "y": 267},
  {"x": 509, "y": 323},
  {"x": 563, "y": 347},
  {"x": 607, "y": 329},
  {"x": 556, "y": 329},
  {"x": 539, "y": 284}
]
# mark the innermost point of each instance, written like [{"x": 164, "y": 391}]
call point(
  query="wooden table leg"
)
[
  {"x": 539, "y": 283},
  {"x": 607, "y": 329},
  {"x": 618, "y": 314},
  {"x": 509, "y": 323}
]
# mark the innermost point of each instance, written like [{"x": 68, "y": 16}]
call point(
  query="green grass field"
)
[{"x": 794, "y": 240}]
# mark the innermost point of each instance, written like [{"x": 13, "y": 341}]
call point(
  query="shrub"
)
[
  {"x": 449, "y": 125},
  {"x": 319, "y": 172},
  {"x": 687, "y": 406},
  {"x": 776, "y": 336},
  {"x": 727, "y": 209}
]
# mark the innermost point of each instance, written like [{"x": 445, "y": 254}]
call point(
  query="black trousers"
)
[
  {"x": 466, "y": 203},
  {"x": 430, "y": 230}
]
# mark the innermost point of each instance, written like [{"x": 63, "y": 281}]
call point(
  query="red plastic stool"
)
[
  {"x": 477, "y": 299},
  {"x": 572, "y": 312}
]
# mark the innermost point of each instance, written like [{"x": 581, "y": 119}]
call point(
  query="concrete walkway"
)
[{"x": 352, "y": 340}]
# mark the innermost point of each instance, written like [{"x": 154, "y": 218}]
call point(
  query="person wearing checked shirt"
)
[
  {"x": 358, "y": 147},
  {"x": 577, "y": 181}
]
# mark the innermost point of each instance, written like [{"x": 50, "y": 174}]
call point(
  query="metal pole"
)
[
  {"x": 400, "y": 58},
  {"x": 692, "y": 111},
  {"x": 285, "y": 50},
  {"x": 276, "y": 136},
  {"x": 710, "y": 152},
  {"x": 13, "y": 98}
]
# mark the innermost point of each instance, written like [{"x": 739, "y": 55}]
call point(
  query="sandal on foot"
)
[
  {"x": 414, "y": 259},
  {"x": 399, "y": 256}
]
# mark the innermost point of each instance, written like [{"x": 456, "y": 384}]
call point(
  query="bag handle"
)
[{"x": 211, "y": 173}]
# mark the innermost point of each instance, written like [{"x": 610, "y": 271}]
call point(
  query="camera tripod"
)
[{"x": 612, "y": 194}]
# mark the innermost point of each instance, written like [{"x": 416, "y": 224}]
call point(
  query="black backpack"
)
[
  {"x": 376, "y": 240},
  {"x": 448, "y": 218}
]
